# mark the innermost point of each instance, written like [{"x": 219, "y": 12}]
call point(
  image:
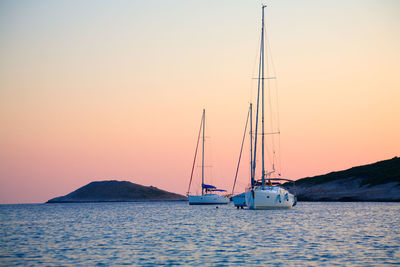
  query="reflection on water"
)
[{"x": 178, "y": 234}]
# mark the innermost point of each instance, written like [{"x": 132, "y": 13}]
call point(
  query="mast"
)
[
  {"x": 251, "y": 144},
  {"x": 241, "y": 149},
  {"x": 260, "y": 86},
  {"x": 202, "y": 154},
  {"x": 262, "y": 99},
  {"x": 195, "y": 156}
]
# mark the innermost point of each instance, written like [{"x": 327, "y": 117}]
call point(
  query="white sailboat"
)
[
  {"x": 239, "y": 200},
  {"x": 267, "y": 192},
  {"x": 209, "y": 194}
]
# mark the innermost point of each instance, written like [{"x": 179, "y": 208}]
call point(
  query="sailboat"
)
[
  {"x": 268, "y": 192},
  {"x": 239, "y": 200},
  {"x": 209, "y": 194}
]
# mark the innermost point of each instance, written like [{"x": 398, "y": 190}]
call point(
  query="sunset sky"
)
[{"x": 101, "y": 90}]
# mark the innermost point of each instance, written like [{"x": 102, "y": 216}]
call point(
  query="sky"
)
[{"x": 114, "y": 90}]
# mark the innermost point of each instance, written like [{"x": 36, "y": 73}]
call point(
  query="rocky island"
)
[
  {"x": 379, "y": 181},
  {"x": 115, "y": 191}
]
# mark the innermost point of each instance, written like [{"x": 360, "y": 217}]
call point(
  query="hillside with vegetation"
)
[
  {"x": 114, "y": 191},
  {"x": 379, "y": 181}
]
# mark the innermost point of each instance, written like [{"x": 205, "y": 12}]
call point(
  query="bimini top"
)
[
  {"x": 207, "y": 186},
  {"x": 218, "y": 190},
  {"x": 212, "y": 188}
]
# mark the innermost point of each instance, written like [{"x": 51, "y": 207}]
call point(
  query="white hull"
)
[
  {"x": 269, "y": 197},
  {"x": 208, "y": 199}
]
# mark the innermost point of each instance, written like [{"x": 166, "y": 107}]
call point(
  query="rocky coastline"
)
[{"x": 379, "y": 181}]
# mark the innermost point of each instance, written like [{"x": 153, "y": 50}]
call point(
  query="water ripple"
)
[{"x": 148, "y": 234}]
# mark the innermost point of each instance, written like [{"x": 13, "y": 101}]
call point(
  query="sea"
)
[{"x": 174, "y": 233}]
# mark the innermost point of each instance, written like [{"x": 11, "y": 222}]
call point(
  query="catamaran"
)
[
  {"x": 209, "y": 194},
  {"x": 269, "y": 191}
]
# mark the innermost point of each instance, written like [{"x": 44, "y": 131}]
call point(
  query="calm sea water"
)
[{"x": 174, "y": 233}]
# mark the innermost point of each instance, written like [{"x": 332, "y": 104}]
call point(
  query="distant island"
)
[
  {"x": 379, "y": 181},
  {"x": 117, "y": 191}
]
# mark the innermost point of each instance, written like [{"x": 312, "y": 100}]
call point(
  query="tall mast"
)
[
  {"x": 260, "y": 78},
  {"x": 262, "y": 98},
  {"x": 202, "y": 154},
  {"x": 241, "y": 149},
  {"x": 195, "y": 155},
  {"x": 251, "y": 144}
]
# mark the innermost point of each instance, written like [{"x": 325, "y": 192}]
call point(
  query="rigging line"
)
[
  {"x": 256, "y": 127},
  {"x": 254, "y": 69},
  {"x": 202, "y": 153},
  {"x": 195, "y": 155},
  {"x": 275, "y": 91},
  {"x": 279, "y": 128},
  {"x": 241, "y": 149},
  {"x": 210, "y": 164},
  {"x": 279, "y": 159},
  {"x": 268, "y": 57},
  {"x": 280, "y": 156},
  {"x": 269, "y": 155},
  {"x": 274, "y": 84},
  {"x": 205, "y": 166},
  {"x": 269, "y": 51},
  {"x": 269, "y": 133},
  {"x": 251, "y": 136},
  {"x": 277, "y": 118},
  {"x": 273, "y": 72}
]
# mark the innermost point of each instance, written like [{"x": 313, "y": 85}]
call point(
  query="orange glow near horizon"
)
[{"x": 117, "y": 92}]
